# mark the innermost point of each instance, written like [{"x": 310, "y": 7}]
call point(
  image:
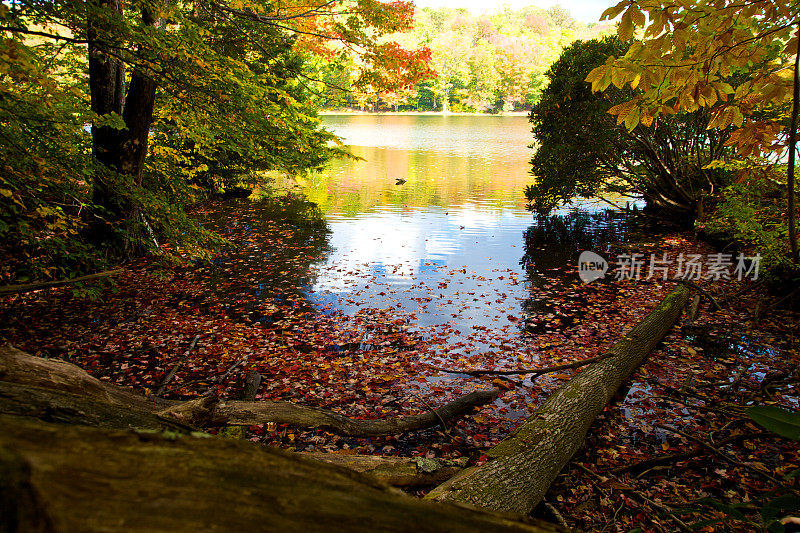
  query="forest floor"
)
[{"x": 673, "y": 449}]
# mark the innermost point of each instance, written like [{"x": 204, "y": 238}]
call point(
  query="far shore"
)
[{"x": 427, "y": 113}]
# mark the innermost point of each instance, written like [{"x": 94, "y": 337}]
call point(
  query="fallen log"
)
[
  {"x": 395, "y": 471},
  {"x": 534, "y": 372},
  {"x": 522, "y": 467},
  {"x": 28, "y": 287},
  {"x": 56, "y": 477},
  {"x": 52, "y": 377},
  {"x": 250, "y": 413}
]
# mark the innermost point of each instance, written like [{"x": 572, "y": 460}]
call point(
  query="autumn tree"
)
[
  {"x": 582, "y": 151},
  {"x": 206, "y": 84},
  {"x": 685, "y": 61}
]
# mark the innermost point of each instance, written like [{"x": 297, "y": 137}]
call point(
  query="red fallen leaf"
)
[
  {"x": 502, "y": 384},
  {"x": 512, "y": 318}
]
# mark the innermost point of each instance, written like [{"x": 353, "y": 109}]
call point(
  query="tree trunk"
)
[
  {"x": 56, "y": 477},
  {"x": 792, "y": 153},
  {"x": 522, "y": 467},
  {"x": 107, "y": 92},
  {"x": 121, "y": 151}
]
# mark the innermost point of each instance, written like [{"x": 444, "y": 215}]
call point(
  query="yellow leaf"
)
[
  {"x": 635, "y": 81},
  {"x": 625, "y": 29},
  {"x": 618, "y": 77},
  {"x": 613, "y": 12},
  {"x": 632, "y": 120},
  {"x": 636, "y": 15}
]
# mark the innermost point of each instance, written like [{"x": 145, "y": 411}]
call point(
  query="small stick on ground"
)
[
  {"x": 702, "y": 291},
  {"x": 677, "y": 457},
  {"x": 694, "y": 307},
  {"x": 225, "y": 374},
  {"x": 722, "y": 454},
  {"x": 533, "y": 371},
  {"x": 252, "y": 382},
  {"x": 640, "y": 496},
  {"x": 28, "y": 287},
  {"x": 175, "y": 367},
  {"x": 557, "y": 515},
  {"x": 742, "y": 291}
]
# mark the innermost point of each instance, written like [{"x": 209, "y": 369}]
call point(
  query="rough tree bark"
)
[
  {"x": 56, "y": 477},
  {"x": 395, "y": 471},
  {"x": 522, "y": 467},
  {"x": 66, "y": 476},
  {"x": 121, "y": 151}
]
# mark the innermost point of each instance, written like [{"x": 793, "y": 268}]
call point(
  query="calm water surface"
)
[
  {"x": 450, "y": 250},
  {"x": 453, "y": 246}
]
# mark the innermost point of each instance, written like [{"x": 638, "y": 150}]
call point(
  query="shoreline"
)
[{"x": 422, "y": 113}]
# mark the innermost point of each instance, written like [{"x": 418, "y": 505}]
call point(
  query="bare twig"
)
[
  {"x": 27, "y": 287},
  {"x": 722, "y": 454},
  {"x": 677, "y": 457},
  {"x": 225, "y": 374},
  {"x": 557, "y": 515},
  {"x": 639, "y": 495},
  {"x": 742, "y": 291},
  {"x": 175, "y": 367},
  {"x": 702, "y": 291}
]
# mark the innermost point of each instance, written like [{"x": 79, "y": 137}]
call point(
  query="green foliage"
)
[
  {"x": 784, "y": 423},
  {"x": 752, "y": 213},
  {"x": 583, "y": 151},
  {"x": 230, "y": 102},
  {"x": 43, "y": 162},
  {"x": 572, "y": 129},
  {"x": 482, "y": 63}
]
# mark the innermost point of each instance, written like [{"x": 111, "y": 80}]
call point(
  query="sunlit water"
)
[{"x": 448, "y": 246}]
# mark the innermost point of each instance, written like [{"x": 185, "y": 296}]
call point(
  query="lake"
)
[
  {"x": 454, "y": 246},
  {"x": 429, "y": 224}
]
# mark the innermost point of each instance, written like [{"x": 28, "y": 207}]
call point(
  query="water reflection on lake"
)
[{"x": 453, "y": 246}]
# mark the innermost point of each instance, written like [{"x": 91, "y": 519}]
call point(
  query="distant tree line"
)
[{"x": 487, "y": 63}]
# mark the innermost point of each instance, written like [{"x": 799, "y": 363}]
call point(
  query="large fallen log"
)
[
  {"x": 56, "y": 477},
  {"x": 394, "y": 471},
  {"x": 86, "y": 397},
  {"x": 249, "y": 413},
  {"x": 522, "y": 467}
]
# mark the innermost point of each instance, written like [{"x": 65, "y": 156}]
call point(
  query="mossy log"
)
[
  {"x": 56, "y": 477},
  {"x": 522, "y": 467},
  {"x": 395, "y": 471},
  {"x": 65, "y": 389}
]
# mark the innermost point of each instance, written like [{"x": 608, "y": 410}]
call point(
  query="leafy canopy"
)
[
  {"x": 688, "y": 52},
  {"x": 230, "y": 98}
]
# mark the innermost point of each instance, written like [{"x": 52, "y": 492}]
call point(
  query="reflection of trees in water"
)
[
  {"x": 275, "y": 244},
  {"x": 556, "y": 241}
]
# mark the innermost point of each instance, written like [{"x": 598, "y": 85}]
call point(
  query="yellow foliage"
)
[{"x": 688, "y": 52}]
